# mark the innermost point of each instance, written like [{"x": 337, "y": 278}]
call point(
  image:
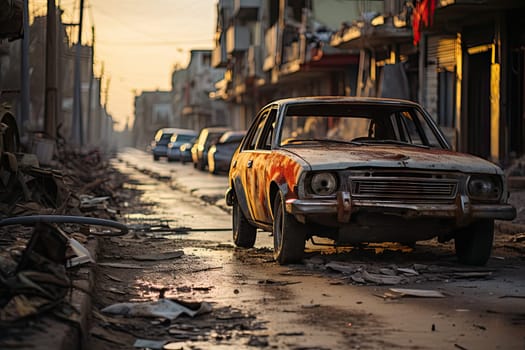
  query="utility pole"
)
[
  {"x": 90, "y": 123},
  {"x": 105, "y": 123},
  {"x": 78, "y": 128},
  {"x": 25, "y": 98},
  {"x": 51, "y": 101}
]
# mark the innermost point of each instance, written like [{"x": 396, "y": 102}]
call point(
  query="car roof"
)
[
  {"x": 216, "y": 129},
  {"x": 342, "y": 99},
  {"x": 177, "y": 131},
  {"x": 229, "y": 134}
]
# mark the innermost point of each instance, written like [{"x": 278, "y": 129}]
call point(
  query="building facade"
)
[
  {"x": 281, "y": 48},
  {"x": 153, "y": 110},
  {"x": 463, "y": 60}
]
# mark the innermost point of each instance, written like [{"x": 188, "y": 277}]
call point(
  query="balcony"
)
[
  {"x": 254, "y": 60},
  {"x": 270, "y": 39},
  {"x": 237, "y": 39},
  {"x": 219, "y": 57},
  {"x": 247, "y": 10}
]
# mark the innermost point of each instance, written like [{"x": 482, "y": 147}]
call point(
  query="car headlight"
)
[
  {"x": 484, "y": 187},
  {"x": 323, "y": 184}
]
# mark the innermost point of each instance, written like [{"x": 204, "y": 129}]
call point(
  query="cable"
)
[
  {"x": 153, "y": 43},
  {"x": 63, "y": 219}
]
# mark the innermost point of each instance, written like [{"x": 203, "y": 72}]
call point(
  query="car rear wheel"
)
[
  {"x": 244, "y": 233},
  {"x": 474, "y": 242},
  {"x": 211, "y": 167},
  {"x": 201, "y": 166},
  {"x": 288, "y": 235}
]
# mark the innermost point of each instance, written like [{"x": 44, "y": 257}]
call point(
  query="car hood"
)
[{"x": 352, "y": 156}]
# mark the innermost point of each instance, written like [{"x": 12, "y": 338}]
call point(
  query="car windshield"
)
[
  {"x": 181, "y": 138},
  {"x": 164, "y": 139},
  {"x": 357, "y": 124},
  {"x": 231, "y": 137}
]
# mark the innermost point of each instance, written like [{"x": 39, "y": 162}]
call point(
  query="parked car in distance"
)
[
  {"x": 220, "y": 154},
  {"x": 159, "y": 145},
  {"x": 185, "y": 151},
  {"x": 360, "y": 170},
  {"x": 177, "y": 139},
  {"x": 199, "y": 151}
]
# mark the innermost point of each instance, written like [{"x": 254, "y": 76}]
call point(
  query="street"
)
[{"x": 180, "y": 247}]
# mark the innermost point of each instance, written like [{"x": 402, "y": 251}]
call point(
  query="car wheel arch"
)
[
  {"x": 241, "y": 200},
  {"x": 274, "y": 190}
]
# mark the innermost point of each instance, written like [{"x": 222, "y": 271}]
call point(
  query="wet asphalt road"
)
[{"x": 312, "y": 306}]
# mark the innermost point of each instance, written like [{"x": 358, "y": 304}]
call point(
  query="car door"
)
[
  {"x": 245, "y": 170},
  {"x": 262, "y": 159}
]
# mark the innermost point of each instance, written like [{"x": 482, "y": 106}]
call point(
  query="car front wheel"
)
[
  {"x": 289, "y": 236},
  {"x": 474, "y": 242},
  {"x": 244, "y": 233}
]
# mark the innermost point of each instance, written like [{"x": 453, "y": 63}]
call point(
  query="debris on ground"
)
[
  {"x": 160, "y": 256},
  {"x": 46, "y": 233},
  {"x": 367, "y": 273},
  {"x": 165, "y": 308},
  {"x": 422, "y": 293}
]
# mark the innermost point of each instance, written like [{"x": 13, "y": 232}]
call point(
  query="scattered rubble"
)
[
  {"x": 165, "y": 308},
  {"x": 46, "y": 219}
]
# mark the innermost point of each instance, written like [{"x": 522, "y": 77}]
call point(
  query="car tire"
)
[
  {"x": 202, "y": 166},
  {"x": 474, "y": 242},
  {"x": 289, "y": 236},
  {"x": 211, "y": 169},
  {"x": 244, "y": 234},
  {"x": 156, "y": 157}
]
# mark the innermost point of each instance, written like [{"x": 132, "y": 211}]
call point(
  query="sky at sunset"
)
[{"x": 139, "y": 42}]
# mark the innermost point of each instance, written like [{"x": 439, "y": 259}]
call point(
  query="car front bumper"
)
[{"x": 343, "y": 206}]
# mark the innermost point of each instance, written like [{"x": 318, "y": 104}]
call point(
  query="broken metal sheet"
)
[
  {"x": 407, "y": 271},
  {"x": 149, "y": 344},
  {"x": 160, "y": 256},
  {"x": 358, "y": 278},
  {"x": 473, "y": 274},
  {"x": 381, "y": 279},
  {"x": 423, "y": 293},
  {"x": 345, "y": 268},
  {"x": 166, "y": 308},
  {"x": 87, "y": 201},
  {"x": 121, "y": 265},
  {"x": 83, "y": 254},
  {"x": 388, "y": 272}
]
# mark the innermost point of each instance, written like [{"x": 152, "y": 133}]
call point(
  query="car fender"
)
[{"x": 240, "y": 197}]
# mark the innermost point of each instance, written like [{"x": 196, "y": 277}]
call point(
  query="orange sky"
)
[{"x": 138, "y": 42}]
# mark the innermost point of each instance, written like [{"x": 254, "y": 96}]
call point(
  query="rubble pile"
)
[{"x": 46, "y": 214}]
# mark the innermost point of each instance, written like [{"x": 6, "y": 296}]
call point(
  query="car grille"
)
[{"x": 407, "y": 189}]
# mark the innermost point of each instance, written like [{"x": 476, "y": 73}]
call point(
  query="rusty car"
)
[{"x": 357, "y": 171}]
